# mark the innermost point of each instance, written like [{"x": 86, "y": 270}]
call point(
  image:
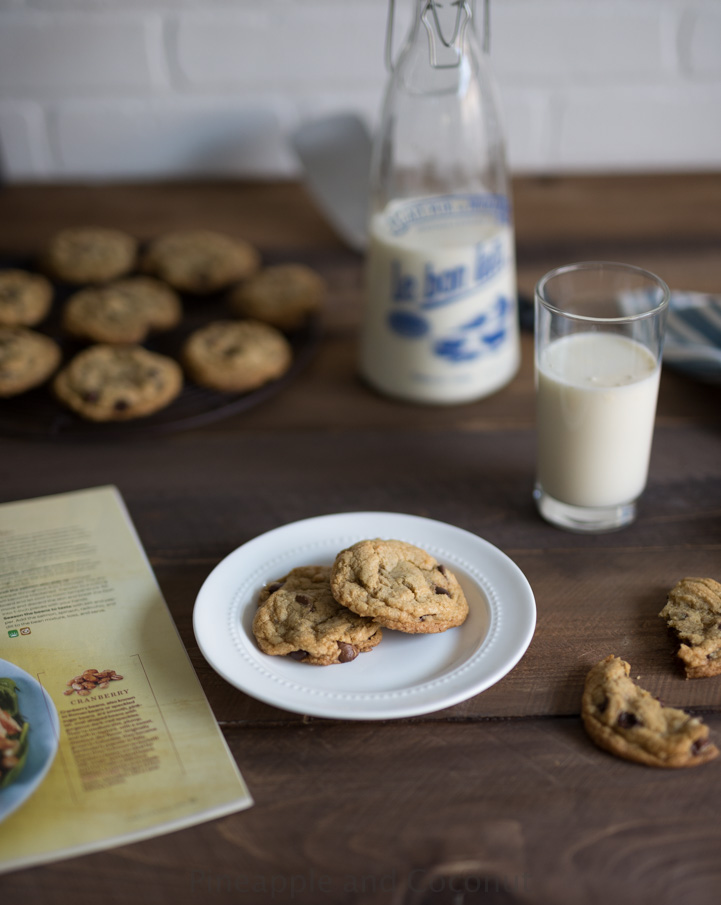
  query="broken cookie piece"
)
[
  {"x": 628, "y": 721},
  {"x": 693, "y": 612}
]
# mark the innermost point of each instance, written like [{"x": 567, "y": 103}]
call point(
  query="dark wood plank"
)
[
  {"x": 595, "y": 595},
  {"x": 272, "y": 215},
  {"x": 330, "y": 395},
  {"x": 680, "y": 208},
  {"x": 636, "y": 208},
  {"x": 365, "y": 814}
]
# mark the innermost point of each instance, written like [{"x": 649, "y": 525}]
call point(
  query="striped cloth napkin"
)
[{"x": 693, "y": 335}]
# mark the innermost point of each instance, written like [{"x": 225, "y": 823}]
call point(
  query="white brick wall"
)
[{"x": 132, "y": 89}]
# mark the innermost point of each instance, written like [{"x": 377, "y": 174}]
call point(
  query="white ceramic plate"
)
[
  {"x": 38, "y": 710},
  {"x": 406, "y": 674}
]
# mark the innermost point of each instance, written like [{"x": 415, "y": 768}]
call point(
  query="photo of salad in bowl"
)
[
  {"x": 29, "y": 734},
  {"x": 14, "y": 733}
]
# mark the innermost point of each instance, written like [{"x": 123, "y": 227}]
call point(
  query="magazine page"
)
[{"x": 106, "y": 736}]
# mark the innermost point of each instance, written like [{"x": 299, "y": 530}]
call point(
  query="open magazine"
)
[{"x": 106, "y": 736}]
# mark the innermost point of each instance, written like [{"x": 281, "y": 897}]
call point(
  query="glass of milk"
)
[{"x": 598, "y": 342}]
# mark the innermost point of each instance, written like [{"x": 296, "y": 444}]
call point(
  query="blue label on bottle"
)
[
  {"x": 478, "y": 337},
  {"x": 443, "y": 286},
  {"x": 447, "y": 207},
  {"x": 440, "y": 321}
]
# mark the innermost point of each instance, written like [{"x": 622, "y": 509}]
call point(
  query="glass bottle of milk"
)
[{"x": 440, "y": 322}]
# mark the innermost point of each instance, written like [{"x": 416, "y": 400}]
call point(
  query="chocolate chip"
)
[
  {"x": 91, "y": 396},
  {"x": 628, "y": 720},
  {"x": 700, "y": 745},
  {"x": 602, "y": 706},
  {"x": 276, "y": 586},
  {"x": 302, "y": 599},
  {"x": 347, "y": 653},
  {"x": 298, "y": 654},
  {"x": 121, "y": 405},
  {"x": 442, "y": 569},
  {"x": 440, "y": 590}
]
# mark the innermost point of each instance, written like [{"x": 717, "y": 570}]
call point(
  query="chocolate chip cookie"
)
[
  {"x": 693, "y": 612},
  {"x": 116, "y": 383},
  {"x": 298, "y": 616},
  {"x": 200, "y": 261},
  {"x": 236, "y": 356},
  {"x": 628, "y": 721},
  {"x": 25, "y": 298},
  {"x": 124, "y": 311},
  {"x": 399, "y": 586},
  {"x": 27, "y": 359},
  {"x": 91, "y": 254},
  {"x": 284, "y": 295}
]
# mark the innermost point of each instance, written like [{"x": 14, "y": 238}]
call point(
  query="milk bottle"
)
[{"x": 440, "y": 322}]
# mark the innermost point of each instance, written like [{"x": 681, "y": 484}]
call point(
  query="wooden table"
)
[{"x": 361, "y": 812}]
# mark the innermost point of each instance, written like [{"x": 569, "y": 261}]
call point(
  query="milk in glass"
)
[{"x": 596, "y": 407}]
